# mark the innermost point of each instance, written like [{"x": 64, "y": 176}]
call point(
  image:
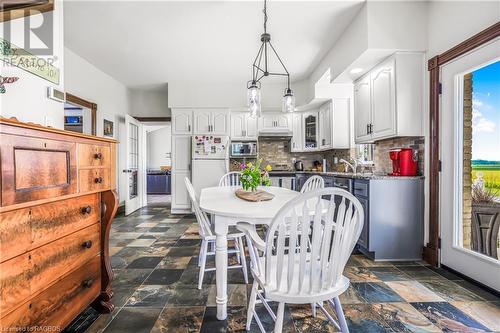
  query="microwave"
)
[{"x": 244, "y": 149}]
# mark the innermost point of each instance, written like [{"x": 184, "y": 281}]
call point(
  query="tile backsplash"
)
[{"x": 383, "y": 164}]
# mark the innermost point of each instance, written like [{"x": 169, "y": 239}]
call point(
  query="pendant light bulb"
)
[
  {"x": 288, "y": 101},
  {"x": 253, "y": 98}
]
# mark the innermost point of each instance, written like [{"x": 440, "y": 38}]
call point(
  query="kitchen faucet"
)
[{"x": 353, "y": 167}]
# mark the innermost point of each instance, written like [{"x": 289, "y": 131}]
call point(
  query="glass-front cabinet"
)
[{"x": 310, "y": 130}]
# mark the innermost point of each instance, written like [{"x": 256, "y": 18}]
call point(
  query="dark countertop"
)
[
  {"x": 158, "y": 172},
  {"x": 341, "y": 174}
]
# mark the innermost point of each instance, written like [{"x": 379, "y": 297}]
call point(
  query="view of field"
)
[{"x": 490, "y": 172}]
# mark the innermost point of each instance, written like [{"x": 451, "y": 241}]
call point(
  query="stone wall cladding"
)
[
  {"x": 467, "y": 163},
  {"x": 383, "y": 164}
]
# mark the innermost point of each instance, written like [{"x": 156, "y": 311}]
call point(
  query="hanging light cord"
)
[{"x": 263, "y": 52}]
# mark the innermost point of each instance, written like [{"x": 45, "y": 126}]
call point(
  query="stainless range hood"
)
[{"x": 278, "y": 135}]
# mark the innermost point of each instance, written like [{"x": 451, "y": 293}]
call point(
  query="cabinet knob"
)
[
  {"x": 87, "y": 244},
  {"x": 98, "y": 156},
  {"x": 88, "y": 283},
  {"x": 98, "y": 180},
  {"x": 86, "y": 210}
]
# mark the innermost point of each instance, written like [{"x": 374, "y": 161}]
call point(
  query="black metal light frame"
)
[{"x": 265, "y": 38}]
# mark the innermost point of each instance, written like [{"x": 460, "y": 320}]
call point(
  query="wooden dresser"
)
[{"x": 58, "y": 200}]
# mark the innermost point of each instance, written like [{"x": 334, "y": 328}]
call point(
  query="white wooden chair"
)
[
  {"x": 310, "y": 273},
  {"x": 230, "y": 179},
  {"x": 313, "y": 183},
  {"x": 208, "y": 238}
]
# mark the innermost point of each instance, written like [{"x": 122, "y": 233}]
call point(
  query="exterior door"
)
[
  {"x": 134, "y": 188},
  {"x": 470, "y": 156},
  {"x": 383, "y": 101},
  {"x": 362, "y": 110}
]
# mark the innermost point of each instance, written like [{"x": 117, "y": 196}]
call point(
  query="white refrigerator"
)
[{"x": 210, "y": 162}]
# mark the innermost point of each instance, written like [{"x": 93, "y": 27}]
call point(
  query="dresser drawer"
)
[
  {"x": 60, "y": 303},
  {"x": 35, "y": 169},
  {"x": 24, "y": 229},
  {"x": 93, "y": 156},
  {"x": 36, "y": 270},
  {"x": 94, "y": 180}
]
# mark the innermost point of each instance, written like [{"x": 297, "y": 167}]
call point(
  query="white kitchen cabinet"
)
[
  {"x": 383, "y": 122},
  {"x": 341, "y": 123},
  {"x": 211, "y": 122},
  {"x": 182, "y": 122},
  {"x": 181, "y": 168},
  {"x": 310, "y": 131},
  {"x": 297, "y": 138},
  {"x": 325, "y": 126},
  {"x": 243, "y": 127},
  {"x": 388, "y": 100},
  {"x": 275, "y": 122},
  {"x": 362, "y": 110}
]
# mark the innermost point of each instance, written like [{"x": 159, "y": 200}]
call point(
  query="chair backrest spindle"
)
[{"x": 230, "y": 179}]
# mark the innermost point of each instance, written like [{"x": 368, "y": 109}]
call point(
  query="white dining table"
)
[{"x": 227, "y": 210}]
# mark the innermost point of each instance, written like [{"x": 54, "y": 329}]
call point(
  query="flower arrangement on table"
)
[{"x": 252, "y": 176}]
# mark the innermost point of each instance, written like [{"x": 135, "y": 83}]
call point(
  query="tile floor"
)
[{"x": 154, "y": 257}]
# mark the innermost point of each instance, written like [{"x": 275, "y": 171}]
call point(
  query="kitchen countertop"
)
[{"x": 343, "y": 174}]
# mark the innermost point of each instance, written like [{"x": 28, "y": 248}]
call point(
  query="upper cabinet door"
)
[
  {"x": 219, "y": 123},
  {"x": 267, "y": 122},
  {"x": 297, "y": 138},
  {"x": 202, "y": 119},
  {"x": 283, "y": 122},
  {"x": 383, "y": 101},
  {"x": 325, "y": 123},
  {"x": 251, "y": 127},
  {"x": 362, "y": 110},
  {"x": 310, "y": 131},
  {"x": 182, "y": 121},
  {"x": 238, "y": 121}
]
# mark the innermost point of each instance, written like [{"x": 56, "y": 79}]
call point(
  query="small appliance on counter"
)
[
  {"x": 299, "y": 166},
  {"x": 404, "y": 161}
]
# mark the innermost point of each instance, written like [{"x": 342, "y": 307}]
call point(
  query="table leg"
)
[{"x": 221, "y": 228}]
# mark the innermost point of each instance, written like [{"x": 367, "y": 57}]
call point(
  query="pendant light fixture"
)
[{"x": 260, "y": 69}]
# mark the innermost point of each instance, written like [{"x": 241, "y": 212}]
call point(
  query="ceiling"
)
[{"x": 145, "y": 43}]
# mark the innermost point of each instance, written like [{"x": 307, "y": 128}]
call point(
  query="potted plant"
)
[
  {"x": 252, "y": 176},
  {"x": 485, "y": 220}
]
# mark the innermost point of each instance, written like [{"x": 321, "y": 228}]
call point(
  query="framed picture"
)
[{"x": 108, "y": 128}]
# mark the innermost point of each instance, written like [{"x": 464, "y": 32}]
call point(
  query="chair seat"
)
[{"x": 295, "y": 294}]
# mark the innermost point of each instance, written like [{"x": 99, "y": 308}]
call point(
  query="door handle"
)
[
  {"x": 367, "y": 128},
  {"x": 189, "y": 128}
]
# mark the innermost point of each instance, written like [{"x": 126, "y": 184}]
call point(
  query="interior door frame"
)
[
  {"x": 86, "y": 104},
  {"x": 431, "y": 249}
]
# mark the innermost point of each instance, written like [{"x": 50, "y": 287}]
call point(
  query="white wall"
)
[
  {"x": 150, "y": 101},
  {"x": 159, "y": 146},
  {"x": 27, "y": 99},
  {"x": 112, "y": 98}
]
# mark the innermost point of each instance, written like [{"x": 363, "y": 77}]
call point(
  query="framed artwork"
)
[{"x": 108, "y": 128}]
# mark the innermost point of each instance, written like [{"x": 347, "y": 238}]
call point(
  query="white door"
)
[
  {"x": 362, "y": 110},
  {"x": 250, "y": 127},
  {"x": 181, "y": 121},
  {"x": 135, "y": 156},
  {"x": 383, "y": 101},
  {"x": 297, "y": 138},
  {"x": 202, "y": 119},
  {"x": 238, "y": 120},
  {"x": 220, "y": 123},
  {"x": 181, "y": 168},
  {"x": 469, "y": 134},
  {"x": 325, "y": 123}
]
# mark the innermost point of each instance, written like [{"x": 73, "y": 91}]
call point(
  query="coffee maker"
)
[{"x": 404, "y": 161}]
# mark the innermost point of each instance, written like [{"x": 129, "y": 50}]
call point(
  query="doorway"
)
[{"x": 470, "y": 157}]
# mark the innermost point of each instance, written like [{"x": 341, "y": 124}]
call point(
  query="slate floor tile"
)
[
  {"x": 164, "y": 277},
  {"x": 421, "y": 273},
  {"x": 151, "y": 296},
  {"x": 133, "y": 320},
  {"x": 184, "y": 251},
  {"x": 360, "y": 274},
  {"x": 174, "y": 262},
  {"x": 451, "y": 291},
  {"x": 236, "y": 295},
  {"x": 179, "y": 319},
  {"x": 145, "y": 262},
  {"x": 414, "y": 291},
  {"x": 235, "y": 322},
  {"x": 376, "y": 292},
  {"x": 364, "y": 318},
  {"x": 402, "y": 317},
  {"x": 141, "y": 242},
  {"x": 486, "y": 313},
  {"x": 448, "y": 318},
  {"x": 188, "y": 295},
  {"x": 389, "y": 274}
]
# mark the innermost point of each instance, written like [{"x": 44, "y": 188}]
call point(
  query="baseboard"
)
[
  {"x": 475, "y": 282},
  {"x": 120, "y": 210},
  {"x": 180, "y": 211}
]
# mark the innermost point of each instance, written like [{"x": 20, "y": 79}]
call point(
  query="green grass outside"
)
[{"x": 491, "y": 176}]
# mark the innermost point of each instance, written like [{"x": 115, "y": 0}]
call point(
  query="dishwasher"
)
[{"x": 343, "y": 183}]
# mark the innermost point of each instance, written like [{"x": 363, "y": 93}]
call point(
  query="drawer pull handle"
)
[
  {"x": 88, "y": 283},
  {"x": 87, "y": 244},
  {"x": 98, "y": 156},
  {"x": 86, "y": 210},
  {"x": 98, "y": 180}
]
